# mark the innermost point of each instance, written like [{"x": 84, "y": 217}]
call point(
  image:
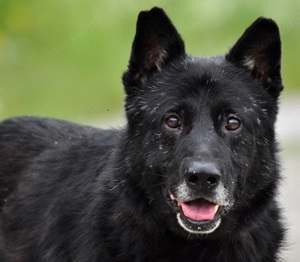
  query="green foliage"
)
[{"x": 65, "y": 58}]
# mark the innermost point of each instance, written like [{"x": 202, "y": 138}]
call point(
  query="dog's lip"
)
[
  {"x": 196, "y": 209},
  {"x": 199, "y": 209},
  {"x": 201, "y": 222}
]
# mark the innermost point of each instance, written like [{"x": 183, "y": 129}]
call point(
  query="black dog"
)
[{"x": 192, "y": 177}]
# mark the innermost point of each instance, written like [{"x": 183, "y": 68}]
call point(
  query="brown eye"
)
[
  {"x": 173, "y": 121},
  {"x": 232, "y": 123}
]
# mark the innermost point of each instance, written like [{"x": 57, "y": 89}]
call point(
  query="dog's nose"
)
[{"x": 200, "y": 174}]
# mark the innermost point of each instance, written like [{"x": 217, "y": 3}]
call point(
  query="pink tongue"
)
[{"x": 198, "y": 209}]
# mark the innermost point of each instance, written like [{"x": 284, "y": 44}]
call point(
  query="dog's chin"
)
[{"x": 198, "y": 227}]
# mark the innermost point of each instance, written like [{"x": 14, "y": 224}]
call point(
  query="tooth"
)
[{"x": 216, "y": 208}]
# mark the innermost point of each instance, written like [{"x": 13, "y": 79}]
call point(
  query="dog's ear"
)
[
  {"x": 259, "y": 51},
  {"x": 156, "y": 43}
]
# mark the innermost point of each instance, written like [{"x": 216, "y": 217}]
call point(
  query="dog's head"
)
[{"x": 203, "y": 127}]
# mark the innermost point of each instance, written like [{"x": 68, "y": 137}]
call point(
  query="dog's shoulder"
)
[{"x": 27, "y": 141}]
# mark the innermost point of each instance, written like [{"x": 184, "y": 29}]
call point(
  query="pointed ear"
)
[
  {"x": 259, "y": 51},
  {"x": 156, "y": 43}
]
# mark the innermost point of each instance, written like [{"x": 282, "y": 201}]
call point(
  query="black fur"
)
[{"x": 200, "y": 132}]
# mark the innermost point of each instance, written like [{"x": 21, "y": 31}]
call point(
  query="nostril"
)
[
  {"x": 212, "y": 181},
  {"x": 193, "y": 179}
]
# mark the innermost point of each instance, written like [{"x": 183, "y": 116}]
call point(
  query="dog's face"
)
[{"x": 200, "y": 123}]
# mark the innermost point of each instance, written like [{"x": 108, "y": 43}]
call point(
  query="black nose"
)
[{"x": 201, "y": 174}]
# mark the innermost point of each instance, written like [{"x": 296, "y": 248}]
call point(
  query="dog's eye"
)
[
  {"x": 173, "y": 121},
  {"x": 232, "y": 123}
]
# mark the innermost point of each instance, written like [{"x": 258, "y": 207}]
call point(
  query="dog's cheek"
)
[
  {"x": 245, "y": 163},
  {"x": 236, "y": 160}
]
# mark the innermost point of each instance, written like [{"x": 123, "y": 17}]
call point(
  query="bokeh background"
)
[{"x": 65, "y": 58}]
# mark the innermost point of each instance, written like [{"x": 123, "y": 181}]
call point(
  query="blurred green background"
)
[{"x": 65, "y": 58}]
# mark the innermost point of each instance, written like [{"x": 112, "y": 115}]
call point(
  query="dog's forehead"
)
[
  {"x": 199, "y": 82},
  {"x": 197, "y": 75},
  {"x": 211, "y": 69},
  {"x": 222, "y": 76}
]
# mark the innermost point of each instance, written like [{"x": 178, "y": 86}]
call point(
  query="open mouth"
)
[{"x": 198, "y": 216}]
